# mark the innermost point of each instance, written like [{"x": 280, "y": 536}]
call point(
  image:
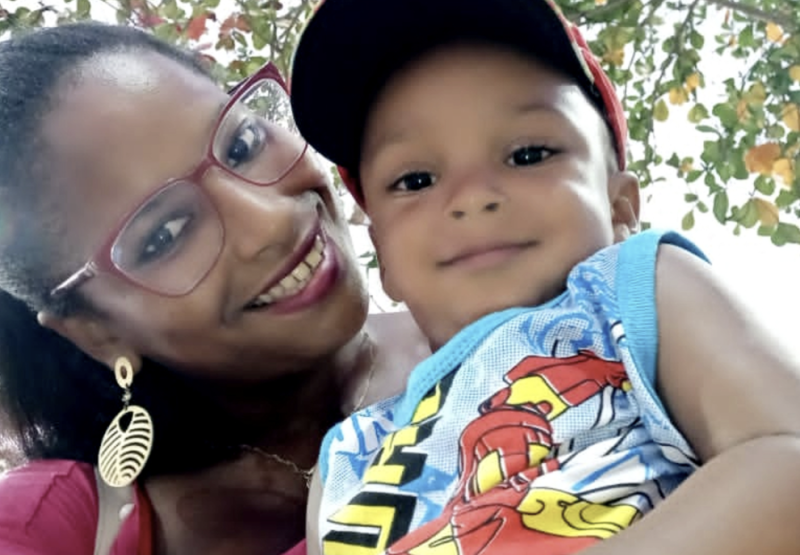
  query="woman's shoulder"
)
[{"x": 48, "y": 507}]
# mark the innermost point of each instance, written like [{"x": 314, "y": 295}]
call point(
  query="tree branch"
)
[
  {"x": 781, "y": 18},
  {"x": 676, "y": 48},
  {"x": 784, "y": 19},
  {"x": 579, "y": 17}
]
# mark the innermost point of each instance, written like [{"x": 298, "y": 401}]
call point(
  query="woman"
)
[{"x": 174, "y": 256}]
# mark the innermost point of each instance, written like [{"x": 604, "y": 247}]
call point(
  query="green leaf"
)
[
  {"x": 710, "y": 152},
  {"x": 724, "y": 171},
  {"x": 785, "y": 199},
  {"x": 693, "y": 176},
  {"x": 673, "y": 161},
  {"x": 786, "y": 233},
  {"x": 766, "y": 231},
  {"x": 739, "y": 168},
  {"x": 775, "y": 131},
  {"x": 661, "y": 111},
  {"x": 726, "y": 114},
  {"x": 171, "y": 10},
  {"x": 698, "y": 113},
  {"x": 720, "y": 208},
  {"x": 764, "y": 185},
  {"x": 697, "y": 40},
  {"x": 687, "y": 222},
  {"x": 746, "y": 38},
  {"x": 83, "y": 9},
  {"x": 748, "y": 214}
]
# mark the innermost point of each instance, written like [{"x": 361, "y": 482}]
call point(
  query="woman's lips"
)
[
  {"x": 323, "y": 280},
  {"x": 306, "y": 282}
]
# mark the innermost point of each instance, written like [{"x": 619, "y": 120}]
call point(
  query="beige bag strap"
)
[{"x": 114, "y": 505}]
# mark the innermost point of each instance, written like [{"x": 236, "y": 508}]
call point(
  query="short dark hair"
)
[{"x": 58, "y": 400}]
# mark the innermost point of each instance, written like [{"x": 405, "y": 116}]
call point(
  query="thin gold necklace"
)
[{"x": 308, "y": 473}]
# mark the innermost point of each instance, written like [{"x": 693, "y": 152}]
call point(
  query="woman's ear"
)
[
  {"x": 91, "y": 336},
  {"x": 624, "y": 197},
  {"x": 383, "y": 272}
]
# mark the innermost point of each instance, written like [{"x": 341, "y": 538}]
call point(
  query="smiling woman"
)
[{"x": 176, "y": 275}]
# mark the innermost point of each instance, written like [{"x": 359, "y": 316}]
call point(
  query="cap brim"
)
[{"x": 351, "y": 47}]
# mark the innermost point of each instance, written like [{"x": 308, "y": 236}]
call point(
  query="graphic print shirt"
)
[{"x": 533, "y": 430}]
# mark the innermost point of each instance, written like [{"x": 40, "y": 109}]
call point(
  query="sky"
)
[{"x": 765, "y": 277}]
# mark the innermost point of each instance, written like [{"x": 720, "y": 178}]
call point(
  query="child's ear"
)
[
  {"x": 623, "y": 194},
  {"x": 383, "y": 272}
]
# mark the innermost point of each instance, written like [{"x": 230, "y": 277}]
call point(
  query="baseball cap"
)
[{"x": 351, "y": 48}]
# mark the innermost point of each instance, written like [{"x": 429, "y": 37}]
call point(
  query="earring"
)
[{"x": 128, "y": 439}]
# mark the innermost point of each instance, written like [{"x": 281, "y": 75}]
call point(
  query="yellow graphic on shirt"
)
[{"x": 375, "y": 519}]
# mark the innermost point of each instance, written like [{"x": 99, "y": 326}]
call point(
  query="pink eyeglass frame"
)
[{"x": 101, "y": 261}]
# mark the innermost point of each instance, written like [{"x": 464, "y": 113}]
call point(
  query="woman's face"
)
[{"x": 129, "y": 122}]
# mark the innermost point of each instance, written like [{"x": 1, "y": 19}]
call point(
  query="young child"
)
[{"x": 488, "y": 148}]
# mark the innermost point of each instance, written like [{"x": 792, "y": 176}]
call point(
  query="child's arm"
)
[{"x": 736, "y": 396}]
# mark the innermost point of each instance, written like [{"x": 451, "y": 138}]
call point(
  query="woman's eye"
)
[
  {"x": 245, "y": 144},
  {"x": 414, "y": 181},
  {"x": 529, "y": 155},
  {"x": 163, "y": 239}
]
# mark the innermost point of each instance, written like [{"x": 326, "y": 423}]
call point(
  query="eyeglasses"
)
[{"x": 173, "y": 239}]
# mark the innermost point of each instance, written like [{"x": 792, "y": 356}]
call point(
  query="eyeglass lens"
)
[{"x": 173, "y": 240}]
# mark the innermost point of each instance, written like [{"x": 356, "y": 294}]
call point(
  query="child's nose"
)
[
  {"x": 492, "y": 206},
  {"x": 475, "y": 196}
]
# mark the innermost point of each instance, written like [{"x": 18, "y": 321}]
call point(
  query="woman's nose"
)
[{"x": 256, "y": 218}]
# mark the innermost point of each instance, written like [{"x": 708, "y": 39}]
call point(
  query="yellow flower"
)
[
  {"x": 791, "y": 116},
  {"x": 615, "y": 57},
  {"x": 760, "y": 159},
  {"x": 767, "y": 212},
  {"x": 794, "y": 73},
  {"x": 783, "y": 168},
  {"x": 774, "y": 32},
  {"x": 678, "y": 95},
  {"x": 693, "y": 81},
  {"x": 742, "y": 111},
  {"x": 756, "y": 94}
]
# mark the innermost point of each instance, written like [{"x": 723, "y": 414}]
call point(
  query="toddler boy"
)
[{"x": 488, "y": 148}]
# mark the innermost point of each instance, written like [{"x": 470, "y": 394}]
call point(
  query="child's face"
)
[{"x": 487, "y": 177}]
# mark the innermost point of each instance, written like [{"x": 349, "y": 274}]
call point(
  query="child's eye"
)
[
  {"x": 528, "y": 155},
  {"x": 414, "y": 181}
]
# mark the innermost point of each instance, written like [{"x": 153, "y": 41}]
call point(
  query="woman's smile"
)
[{"x": 306, "y": 281}]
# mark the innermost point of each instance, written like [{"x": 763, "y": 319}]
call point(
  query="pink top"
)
[{"x": 50, "y": 508}]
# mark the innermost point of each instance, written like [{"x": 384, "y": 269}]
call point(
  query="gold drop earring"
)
[{"x": 128, "y": 439}]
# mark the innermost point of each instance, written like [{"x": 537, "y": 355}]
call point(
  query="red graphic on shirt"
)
[{"x": 494, "y": 511}]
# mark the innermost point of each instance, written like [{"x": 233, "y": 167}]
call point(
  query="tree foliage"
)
[{"x": 728, "y": 70}]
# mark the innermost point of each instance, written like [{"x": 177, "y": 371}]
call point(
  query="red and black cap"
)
[{"x": 350, "y": 49}]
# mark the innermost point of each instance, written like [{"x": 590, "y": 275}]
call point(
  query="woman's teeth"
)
[{"x": 296, "y": 280}]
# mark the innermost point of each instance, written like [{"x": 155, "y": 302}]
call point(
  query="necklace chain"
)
[{"x": 308, "y": 473}]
